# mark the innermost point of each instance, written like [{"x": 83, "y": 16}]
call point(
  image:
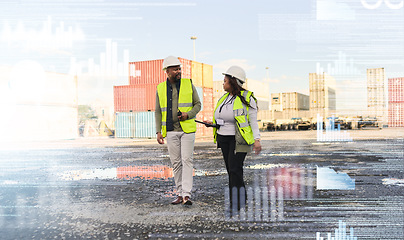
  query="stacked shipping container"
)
[
  {"x": 375, "y": 92},
  {"x": 140, "y": 96},
  {"x": 218, "y": 91},
  {"x": 322, "y": 94},
  {"x": 295, "y": 101},
  {"x": 396, "y": 102},
  {"x": 276, "y": 102}
]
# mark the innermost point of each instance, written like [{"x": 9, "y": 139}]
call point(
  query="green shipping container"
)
[
  {"x": 145, "y": 125},
  {"x": 125, "y": 124}
]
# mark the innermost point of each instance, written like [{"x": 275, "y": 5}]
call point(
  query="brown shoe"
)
[
  {"x": 187, "y": 201},
  {"x": 177, "y": 201}
]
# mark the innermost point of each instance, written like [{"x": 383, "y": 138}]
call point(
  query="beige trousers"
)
[{"x": 181, "y": 149}]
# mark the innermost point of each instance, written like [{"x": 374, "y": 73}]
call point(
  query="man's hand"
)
[
  {"x": 183, "y": 117},
  {"x": 257, "y": 146},
  {"x": 160, "y": 138}
]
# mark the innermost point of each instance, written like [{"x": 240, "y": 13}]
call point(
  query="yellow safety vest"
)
[
  {"x": 240, "y": 112},
  {"x": 184, "y": 105}
]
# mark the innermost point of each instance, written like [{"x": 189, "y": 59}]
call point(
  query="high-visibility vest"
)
[
  {"x": 240, "y": 112},
  {"x": 184, "y": 105}
]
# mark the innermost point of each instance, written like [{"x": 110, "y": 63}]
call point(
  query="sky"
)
[{"x": 291, "y": 38}]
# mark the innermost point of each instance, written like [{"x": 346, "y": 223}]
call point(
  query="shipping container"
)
[
  {"x": 199, "y": 127},
  {"x": 218, "y": 89},
  {"x": 264, "y": 115},
  {"x": 207, "y": 75},
  {"x": 396, "y": 90},
  {"x": 146, "y": 72},
  {"x": 151, "y": 72},
  {"x": 125, "y": 124},
  {"x": 319, "y": 99},
  {"x": 304, "y": 114},
  {"x": 140, "y": 97},
  {"x": 199, "y": 130},
  {"x": 145, "y": 125},
  {"x": 208, "y": 99},
  {"x": 376, "y": 99},
  {"x": 207, "y": 116},
  {"x": 200, "y": 94},
  {"x": 276, "y": 101},
  {"x": 320, "y": 82},
  {"x": 295, "y": 101},
  {"x": 197, "y": 74},
  {"x": 135, "y": 98},
  {"x": 396, "y": 115},
  {"x": 290, "y": 113},
  {"x": 186, "y": 69}
]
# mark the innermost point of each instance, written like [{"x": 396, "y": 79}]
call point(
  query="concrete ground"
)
[{"x": 297, "y": 188}]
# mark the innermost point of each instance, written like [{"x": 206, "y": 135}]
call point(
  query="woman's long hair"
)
[{"x": 236, "y": 91}]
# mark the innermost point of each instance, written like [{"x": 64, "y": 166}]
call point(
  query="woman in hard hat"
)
[{"x": 237, "y": 130}]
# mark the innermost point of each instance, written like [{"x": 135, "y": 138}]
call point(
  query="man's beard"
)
[{"x": 177, "y": 77}]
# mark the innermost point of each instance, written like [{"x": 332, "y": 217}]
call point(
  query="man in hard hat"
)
[{"x": 177, "y": 103}]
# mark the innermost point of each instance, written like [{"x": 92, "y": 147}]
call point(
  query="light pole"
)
[{"x": 193, "y": 38}]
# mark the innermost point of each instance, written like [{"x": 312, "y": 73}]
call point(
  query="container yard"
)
[
  {"x": 277, "y": 111},
  {"x": 139, "y": 97},
  {"x": 79, "y": 153}
]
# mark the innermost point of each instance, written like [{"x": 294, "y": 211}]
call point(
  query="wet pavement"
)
[{"x": 296, "y": 189}]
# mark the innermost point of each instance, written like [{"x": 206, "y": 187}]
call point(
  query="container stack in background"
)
[
  {"x": 396, "y": 102},
  {"x": 218, "y": 91},
  {"x": 294, "y": 103},
  {"x": 322, "y": 95},
  {"x": 134, "y": 104}
]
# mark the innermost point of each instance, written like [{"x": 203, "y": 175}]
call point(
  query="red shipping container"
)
[
  {"x": 199, "y": 126},
  {"x": 146, "y": 72},
  {"x": 186, "y": 70},
  {"x": 208, "y": 99},
  {"x": 396, "y": 114},
  {"x": 208, "y": 116},
  {"x": 396, "y": 90},
  {"x": 135, "y": 98},
  {"x": 151, "y": 72}
]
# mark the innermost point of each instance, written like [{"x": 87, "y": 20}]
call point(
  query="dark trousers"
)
[{"x": 234, "y": 166}]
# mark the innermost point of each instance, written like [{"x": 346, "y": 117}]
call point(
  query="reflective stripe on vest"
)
[
  {"x": 240, "y": 113},
  {"x": 184, "y": 105}
]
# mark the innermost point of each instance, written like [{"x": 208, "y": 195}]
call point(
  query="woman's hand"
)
[
  {"x": 257, "y": 146},
  {"x": 208, "y": 122}
]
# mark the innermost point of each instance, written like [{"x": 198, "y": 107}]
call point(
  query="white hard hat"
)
[
  {"x": 171, "y": 61},
  {"x": 238, "y": 73}
]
